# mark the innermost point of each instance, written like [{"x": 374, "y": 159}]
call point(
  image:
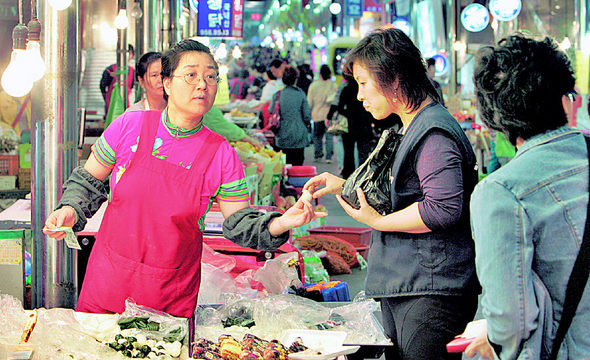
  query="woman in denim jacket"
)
[
  {"x": 528, "y": 217},
  {"x": 422, "y": 257}
]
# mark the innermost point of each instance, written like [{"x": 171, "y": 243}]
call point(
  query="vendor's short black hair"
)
[
  {"x": 144, "y": 62},
  {"x": 430, "y": 62},
  {"x": 519, "y": 86},
  {"x": 290, "y": 76},
  {"x": 171, "y": 58}
]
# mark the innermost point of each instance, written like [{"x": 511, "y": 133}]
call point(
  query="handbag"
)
[
  {"x": 338, "y": 125},
  {"x": 373, "y": 176},
  {"x": 274, "y": 121},
  {"x": 576, "y": 283}
]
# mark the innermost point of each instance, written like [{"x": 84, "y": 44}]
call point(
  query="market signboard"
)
[
  {"x": 237, "y": 17},
  {"x": 214, "y": 18},
  {"x": 353, "y": 8},
  {"x": 373, "y": 6}
]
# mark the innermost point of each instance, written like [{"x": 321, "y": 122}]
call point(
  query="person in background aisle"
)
[
  {"x": 319, "y": 92},
  {"x": 239, "y": 90},
  {"x": 528, "y": 217},
  {"x": 431, "y": 68},
  {"x": 149, "y": 68},
  {"x": 305, "y": 77},
  {"x": 421, "y": 260},
  {"x": 292, "y": 137},
  {"x": 256, "y": 82},
  {"x": 216, "y": 122},
  {"x": 166, "y": 169},
  {"x": 360, "y": 131},
  {"x": 109, "y": 79},
  {"x": 277, "y": 68}
]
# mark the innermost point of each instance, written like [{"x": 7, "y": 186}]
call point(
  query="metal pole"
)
[
  {"x": 122, "y": 64},
  {"x": 54, "y": 139},
  {"x": 140, "y": 48},
  {"x": 175, "y": 35},
  {"x": 149, "y": 39},
  {"x": 451, "y": 38}
]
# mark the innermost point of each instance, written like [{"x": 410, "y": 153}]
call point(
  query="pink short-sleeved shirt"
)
[{"x": 116, "y": 148}]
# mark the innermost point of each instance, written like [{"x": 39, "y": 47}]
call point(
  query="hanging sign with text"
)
[{"x": 353, "y": 8}]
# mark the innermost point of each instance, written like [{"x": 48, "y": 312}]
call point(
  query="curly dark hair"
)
[
  {"x": 290, "y": 76},
  {"x": 392, "y": 58},
  {"x": 171, "y": 58},
  {"x": 519, "y": 86}
]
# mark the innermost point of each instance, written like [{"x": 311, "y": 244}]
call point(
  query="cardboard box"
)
[
  {"x": 12, "y": 267},
  {"x": 8, "y": 182},
  {"x": 24, "y": 153}
]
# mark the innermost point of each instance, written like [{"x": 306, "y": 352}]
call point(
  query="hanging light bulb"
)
[
  {"x": 236, "y": 53},
  {"x": 34, "y": 60},
  {"x": 221, "y": 52},
  {"x": 136, "y": 11},
  {"x": 335, "y": 8},
  {"x": 60, "y": 4},
  {"x": 16, "y": 79},
  {"x": 121, "y": 21}
]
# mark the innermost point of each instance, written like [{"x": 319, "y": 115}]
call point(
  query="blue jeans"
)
[{"x": 319, "y": 130}]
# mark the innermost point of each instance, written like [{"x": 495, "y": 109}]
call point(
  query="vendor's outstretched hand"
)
[
  {"x": 65, "y": 216},
  {"x": 299, "y": 214},
  {"x": 365, "y": 213},
  {"x": 332, "y": 185}
]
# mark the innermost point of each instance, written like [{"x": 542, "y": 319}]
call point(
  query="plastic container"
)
[
  {"x": 298, "y": 181},
  {"x": 301, "y": 171},
  {"x": 9, "y": 164},
  {"x": 359, "y": 237}
]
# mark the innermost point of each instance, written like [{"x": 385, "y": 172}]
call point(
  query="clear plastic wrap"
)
[
  {"x": 276, "y": 275},
  {"x": 170, "y": 327},
  {"x": 274, "y": 314},
  {"x": 214, "y": 284}
]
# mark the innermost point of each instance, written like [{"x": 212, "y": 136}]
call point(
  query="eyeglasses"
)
[{"x": 194, "y": 79}]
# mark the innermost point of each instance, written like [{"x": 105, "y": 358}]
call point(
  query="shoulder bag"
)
[
  {"x": 274, "y": 122},
  {"x": 576, "y": 283}
]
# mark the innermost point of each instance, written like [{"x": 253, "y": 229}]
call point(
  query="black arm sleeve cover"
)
[
  {"x": 84, "y": 193},
  {"x": 249, "y": 228},
  {"x": 105, "y": 82}
]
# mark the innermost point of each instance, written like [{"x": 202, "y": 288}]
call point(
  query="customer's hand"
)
[
  {"x": 65, "y": 216},
  {"x": 365, "y": 214},
  {"x": 480, "y": 346},
  {"x": 299, "y": 214},
  {"x": 332, "y": 185}
]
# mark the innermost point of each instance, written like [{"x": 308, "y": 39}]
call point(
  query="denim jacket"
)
[{"x": 528, "y": 220}]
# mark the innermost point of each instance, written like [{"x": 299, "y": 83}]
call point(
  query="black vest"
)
[{"x": 435, "y": 263}]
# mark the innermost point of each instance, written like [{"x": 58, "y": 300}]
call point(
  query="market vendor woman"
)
[{"x": 166, "y": 169}]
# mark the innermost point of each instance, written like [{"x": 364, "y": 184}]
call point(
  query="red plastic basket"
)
[
  {"x": 359, "y": 237},
  {"x": 301, "y": 171},
  {"x": 8, "y": 164}
]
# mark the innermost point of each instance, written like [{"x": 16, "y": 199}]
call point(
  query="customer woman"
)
[
  {"x": 529, "y": 216},
  {"x": 421, "y": 260},
  {"x": 148, "y": 74},
  {"x": 293, "y": 136},
  {"x": 166, "y": 171}
]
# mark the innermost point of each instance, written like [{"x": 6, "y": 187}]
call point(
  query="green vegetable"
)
[
  {"x": 145, "y": 349},
  {"x": 174, "y": 335},
  {"x": 126, "y": 353},
  {"x": 118, "y": 337}
]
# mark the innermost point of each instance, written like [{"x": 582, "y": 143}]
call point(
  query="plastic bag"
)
[
  {"x": 276, "y": 275},
  {"x": 373, "y": 175},
  {"x": 170, "y": 328},
  {"x": 214, "y": 284}
]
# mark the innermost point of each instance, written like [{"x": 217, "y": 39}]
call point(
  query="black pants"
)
[
  {"x": 421, "y": 326},
  {"x": 364, "y": 145},
  {"x": 294, "y": 157}
]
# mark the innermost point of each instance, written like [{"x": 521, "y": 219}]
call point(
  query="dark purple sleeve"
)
[{"x": 438, "y": 165}]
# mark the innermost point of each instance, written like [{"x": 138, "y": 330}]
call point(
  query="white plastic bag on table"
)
[
  {"x": 214, "y": 284},
  {"x": 221, "y": 261},
  {"x": 276, "y": 275},
  {"x": 169, "y": 326},
  {"x": 279, "y": 312},
  {"x": 359, "y": 322}
]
